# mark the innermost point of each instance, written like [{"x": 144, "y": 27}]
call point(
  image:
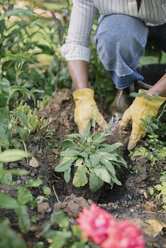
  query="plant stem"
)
[
  {"x": 55, "y": 194},
  {"x": 25, "y": 148},
  {"x": 164, "y": 107}
]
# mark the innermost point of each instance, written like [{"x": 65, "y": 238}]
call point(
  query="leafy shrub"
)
[
  {"x": 93, "y": 160},
  {"x": 23, "y": 38},
  {"x": 155, "y": 146},
  {"x": 162, "y": 189},
  {"x": 20, "y": 47}
]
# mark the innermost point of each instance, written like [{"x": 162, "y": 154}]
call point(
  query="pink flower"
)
[
  {"x": 95, "y": 223},
  {"x": 123, "y": 234}
]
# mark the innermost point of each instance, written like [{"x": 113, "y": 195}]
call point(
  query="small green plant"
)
[
  {"x": 8, "y": 156},
  {"x": 155, "y": 146},
  {"x": 12, "y": 120},
  {"x": 92, "y": 159},
  {"x": 9, "y": 238},
  {"x": 33, "y": 123},
  {"x": 8, "y": 202},
  {"x": 62, "y": 234},
  {"x": 161, "y": 197},
  {"x": 24, "y": 195},
  {"x": 162, "y": 188}
]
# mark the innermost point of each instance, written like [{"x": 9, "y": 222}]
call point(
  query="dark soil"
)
[{"x": 130, "y": 201}]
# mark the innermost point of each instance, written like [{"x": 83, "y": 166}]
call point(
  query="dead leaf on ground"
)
[
  {"x": 150, "y": 207},
  {"x": 149, "y": 227},
  {"x": 34, "y": 163},
  {"x": 155, "y": 227}
]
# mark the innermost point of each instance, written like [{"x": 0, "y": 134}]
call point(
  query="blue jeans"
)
[{"x": 121, "y": 42}]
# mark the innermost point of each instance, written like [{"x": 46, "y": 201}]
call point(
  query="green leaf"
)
[
  {"x": 34, "y": 183},
  {"x": 100, "y": 139},
  {"x": 2, "y": 27},
  {"x": 75, "y": 137},
  {"x": 13, "y": 155},
  {"x": 67, "y": 175},
  {"x": 49, "y": 234},
  {"x": 122, "y": 161},
  {"x": 158, "y": 187},
  {"x": 94, "y": 160},
  {"x": 46, "y": 190},
  {"x": 95, "y": 182},
  {"x": 45, "y": 49},
  {"x": 80, "y": 177},
  {"x": 87, "y": 163},
  {"x": 4, "y": 118},
  {"x": 23, "y": 218},
  {"x": 57, "y": 216},
  {"x": 22, "y": 117},
  {"x": 4, "y": 127},
  {"x": 83, "y": 154},
  {"x": 22, "y": 90},
  {"x": 86, "y": 133},
  {"x": 115, "y": 180},
  {"x": 108, "y": 156},
  {"x": 4, "y": 92},
  {"x": 60, "y": 239},
  {"x": 103, "y": 174},
  {"x": 8, "y": 202},
  {"x": 108, "y": 165},
  {"x": 76, "y": 231},
  {"x": 65, "y": 164},
  {"x": 24, "y": 196},
  {"x": 69, "y": 153},
  {"x": 9, "y": 238},
  {"x": 15, "y": 143},
  {"x": 4, "y": 142},
  {"x": 79, "y": 162},
  {"x": 21, "y": 131},
  {"x": 17, "y": 12},
  {"x": 67, "y": 143},
  {"x": 111, "y": 148},
  {"x": 38, "y": 245},
  {"x": 141, "y": 95},
  {"x": 7, "y": 178},
  {"x": 19, "y": 172}
]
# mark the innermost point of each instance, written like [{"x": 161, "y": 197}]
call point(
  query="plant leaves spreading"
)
[
  {"x": 91, "y": 159},
  {"x": 9, "y": 238},
  {"x": 9, "y": 202}
]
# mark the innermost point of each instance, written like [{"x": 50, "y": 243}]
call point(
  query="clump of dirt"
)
[
  {"x": 72, "y": 205},
  {"x": 60, "y": 113}
]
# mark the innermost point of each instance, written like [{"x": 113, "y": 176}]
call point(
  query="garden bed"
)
[{"x": 130, "y": 201}]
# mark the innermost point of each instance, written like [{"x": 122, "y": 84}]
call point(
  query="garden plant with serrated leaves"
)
[
  {"x": 154, "y": 149},
  {"x": 94, "y": 161}
]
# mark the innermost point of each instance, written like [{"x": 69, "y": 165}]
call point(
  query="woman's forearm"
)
[
  {"x": 79, "y": 73},
  {"x": 159, "y": 88}
]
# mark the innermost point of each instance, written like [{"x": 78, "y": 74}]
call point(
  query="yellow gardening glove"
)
[
  {"x": 86, "y": 109},
  {"x": 140, "y": 108}
]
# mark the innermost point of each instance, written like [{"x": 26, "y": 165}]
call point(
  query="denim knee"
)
[{"x": 120, "y": 43}]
